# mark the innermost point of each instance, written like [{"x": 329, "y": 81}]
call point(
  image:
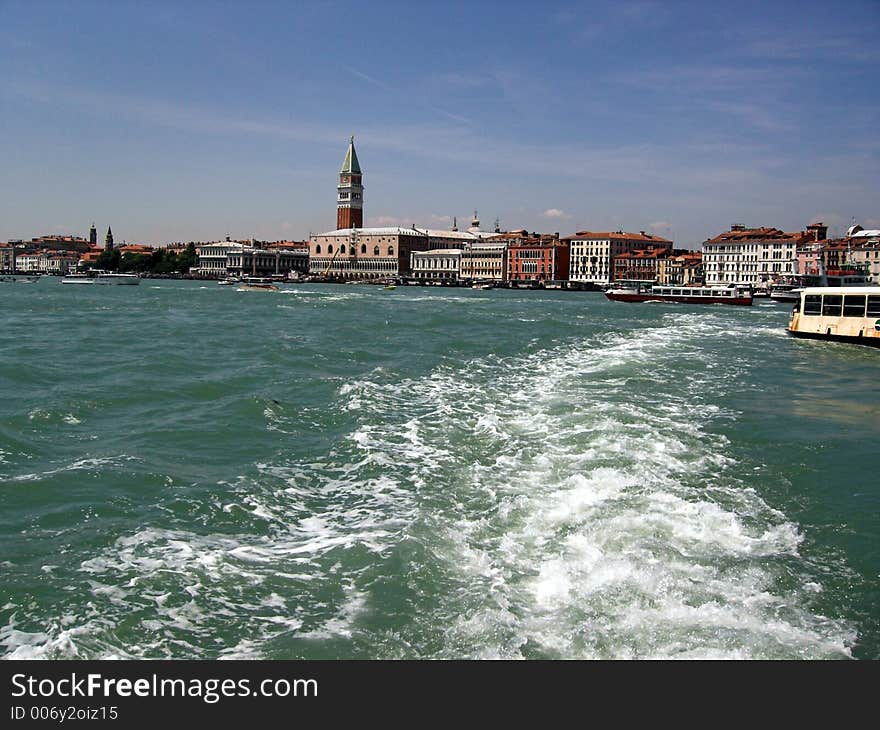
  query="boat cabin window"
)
[
  {"x": 832, "y": 304},
  {"x": 873, "y": 305},
  {"x": 725, "y": 293},
  {"x": 813, "y": 304},
  {"x": 853, "y": 306}
]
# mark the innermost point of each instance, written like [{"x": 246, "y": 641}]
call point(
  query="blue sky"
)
[{"x": 196, "y": 120}]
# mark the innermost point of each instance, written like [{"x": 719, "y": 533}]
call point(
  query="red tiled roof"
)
[
  {"x": 759, "y": 234},
  {"x": 617, "y": 235}
]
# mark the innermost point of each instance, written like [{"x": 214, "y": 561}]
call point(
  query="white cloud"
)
[
  {"x": 661, "y": 228},
  {"x": 555, "y": 213}
]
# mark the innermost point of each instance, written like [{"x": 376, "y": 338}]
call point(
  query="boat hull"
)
[
  {"x": 626, "y": 297},
  {"x": 850, "y": 339}
]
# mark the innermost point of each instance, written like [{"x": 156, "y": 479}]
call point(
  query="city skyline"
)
[{"x": 175, "y": 124}]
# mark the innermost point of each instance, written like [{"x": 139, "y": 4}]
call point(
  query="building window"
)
[
  {"x": 330, "y": 248},
  {"x": 318, "y": 248},
  {"x": 363, "y": 248},
  {"x": 391, "y": 250},
  {"x": 376, "y": 251},
  {"x": 342, "y": 248}
]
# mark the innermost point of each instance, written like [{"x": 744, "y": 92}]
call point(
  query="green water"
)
[{"x": 342, "y": 471}]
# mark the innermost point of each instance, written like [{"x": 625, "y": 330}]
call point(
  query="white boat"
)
[
  {"x": 789, "y": 290},
  {"x": 19, "y": 278},
  {"x": 842, "y": 313},
  {"x": 649, "y": 291},
  {"x": 78, "y": 277},
  {"x": 98, "y": 276},
  {"x": 110, "y": 277}
]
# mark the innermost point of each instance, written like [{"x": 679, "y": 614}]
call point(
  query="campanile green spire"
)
[{"x": 350, "y": 164}]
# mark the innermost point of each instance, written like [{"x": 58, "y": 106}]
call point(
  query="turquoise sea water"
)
[{"x": 189, "y": 471}]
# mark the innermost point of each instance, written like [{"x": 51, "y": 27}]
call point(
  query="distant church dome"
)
[{"x": 853, "y": 229}]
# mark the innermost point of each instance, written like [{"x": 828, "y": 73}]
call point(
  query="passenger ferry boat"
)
[
  {"x": 648, "y": 291},
  {"x": 98, "y": 276},
  {"x": 845, "y": 314},
  {"x": 790, "y": 290}
]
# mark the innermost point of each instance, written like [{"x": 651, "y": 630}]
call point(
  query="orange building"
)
[{"x": 537, "y": 260}]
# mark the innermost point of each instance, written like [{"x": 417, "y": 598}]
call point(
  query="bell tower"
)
[{"x": 350, "y": 192}]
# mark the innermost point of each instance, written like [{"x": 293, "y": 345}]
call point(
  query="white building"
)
[
  {"x": 592, "y": 254},
  {"x": 211, "y": 258},
  {"x": 440, "y": 265},
  {"x": 755, "y": 256},
  {"x": 484, "y": 261}
]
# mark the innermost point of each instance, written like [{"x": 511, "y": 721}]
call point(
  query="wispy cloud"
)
[
  {"x": 661, "y": 228},
  {"x": 409, "y": 96},
  {"x": 555, "y": 213}
]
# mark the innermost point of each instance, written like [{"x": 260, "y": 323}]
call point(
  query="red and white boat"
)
[{"x": 647, "y": 291}]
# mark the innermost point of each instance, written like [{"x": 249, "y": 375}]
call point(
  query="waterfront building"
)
[
  {"x": 540, "y": 259},
  {"x": 484, "y": 261},
  {"x": 236, "y": 258},
  {"x": 31, "y": 262},
  {"x": 859, "y": 250},
  {"x": 365, "y": 253},
  {"x": 592, "y": 253},
  {"x": 865, "y": 251},
  {"x": 59, "y": 264},
  {"x": 275, "y": 261},
  {"x": 46, "y": 262},
  {"x": 7, "y": 258},
  {"x": 211, "y": 258},
  {"x": 683, "y": 269},
  {"x": 642, "y": 264},
  {"x": 753, "y": 256},
  {"x": 440, "y": 265}
]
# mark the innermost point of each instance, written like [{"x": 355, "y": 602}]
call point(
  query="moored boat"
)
[
  {"x": 646, "y": 291},
  {"x": 789, "y": 290},
  {"x": 19, "y": 278},
  {"x": 111, "y": 277},
  {"x": 78, "y": 277},
  {"x": 98, "y": 276},
  {"x": 845, "y": 314}
]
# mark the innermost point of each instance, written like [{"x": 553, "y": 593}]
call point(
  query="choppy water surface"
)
[{"x": 343, "y": 471}]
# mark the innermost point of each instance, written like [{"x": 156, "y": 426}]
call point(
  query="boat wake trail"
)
[{"x": 572, "y": 520}]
